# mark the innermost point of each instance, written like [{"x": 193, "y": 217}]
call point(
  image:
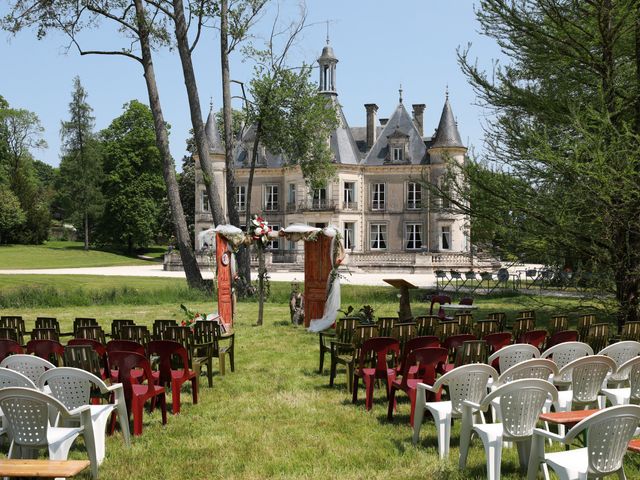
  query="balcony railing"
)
[
  {"x": 318, "y": 205},
  {"x": 349, "y": 205}
]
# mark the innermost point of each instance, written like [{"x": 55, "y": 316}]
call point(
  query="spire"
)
[
  {"x": 447, "y": 134},
  {"x": 400, "y": 92},
  {"x": 212, "y": 133},
  {"x": 327, "y": 32},
  {"x": 327, "y": 62}
]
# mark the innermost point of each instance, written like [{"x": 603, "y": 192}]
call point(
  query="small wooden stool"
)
[{"x": 41, "y": 468}]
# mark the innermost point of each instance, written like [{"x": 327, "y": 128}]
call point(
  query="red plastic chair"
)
[
  {"x": 377, "y": 349},
  {"x": 9, "y": 347},
  {"x": 136, "y": 394},
  {"x": 561, "y": 337},
  {"x": 466, "y": 301},
  {"x": 495, "y": 341},
  {"x": 440, "y": 300},
  {"x": 165, "y": 375},
  {"x": 124, "y": 346},
  {"x": 420, "y": 367},
  {"x": 49, "y": 350},
  {"x": 451, "y": 344},
  {"x": 534, "y": 337},
  {"x": 415, "y": 343},
  {"x": 99, "y": 348}
]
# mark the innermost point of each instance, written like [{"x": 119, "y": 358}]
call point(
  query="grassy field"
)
[
  {"x": 59, "y": 254},
  {"x": 276, "y": 417}
]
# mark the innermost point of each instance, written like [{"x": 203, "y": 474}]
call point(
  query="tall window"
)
[
  {"x": 204, "y": 201},
  {"x": 445, "y": 237},
  {"x": 378, "y": 236},
  {"x": 414, "y": 196},
  {"x": 377, "y": 196},
  {"x": 413, "y": 236},
  {"x": 397, "y": 154},
  {"x": 271, "y": 198},
  {"x": 292, "y": 194},
  {"x": 275, "y": 244},
  {"x": 445, "y": 203},
  {"x": 319, "y": 199},
  {"x": 349, "y": 234},
  {"x": 241, "y": 198},
  {"x": 349, "y": 195}
]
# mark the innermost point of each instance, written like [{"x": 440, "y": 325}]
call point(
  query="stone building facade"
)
[{"x": 376, "y": 198}]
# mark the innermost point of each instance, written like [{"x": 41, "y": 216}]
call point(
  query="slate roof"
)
[
  {"x": 447, "y": 134},
  {"x": 402, "y": 124},
  {"x": 213, "y": 135},
  {"x": 342, "y": 143},
  {"x": 245, "y": 148}
]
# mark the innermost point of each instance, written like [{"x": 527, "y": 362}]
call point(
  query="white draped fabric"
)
[{"x": 333, "y": 300}]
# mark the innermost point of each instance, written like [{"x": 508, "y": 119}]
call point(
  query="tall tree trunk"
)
[
  {"x": 244, "y": 254},
  {"x": 86, "y": 230},
  {"x": 262, "y": 271},
  {"x": 191, "y": 270},
  {"x": 202, "y": 144}
]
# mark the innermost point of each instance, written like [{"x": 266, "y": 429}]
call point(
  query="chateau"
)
[{"x": 376, "y": 199}]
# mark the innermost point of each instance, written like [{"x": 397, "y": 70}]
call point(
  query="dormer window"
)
[
  {"x": 397, "y": 154},
  {"x": 398, "y": 147}
]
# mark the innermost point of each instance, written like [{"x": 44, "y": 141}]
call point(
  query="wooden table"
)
[
  {"x": 568, "y": 419},
  {"x": 41, "y": 468},
  {"x": 458, "y": 306},
  {"x": 404, "y": 314}
]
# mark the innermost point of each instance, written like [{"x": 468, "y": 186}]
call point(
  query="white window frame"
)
[
  {"x": 413, "y": 233},
  {"x": 275, "y": 243},
  {"x": 414, "y": 196},
  {"x": 379, "y": 190},
  {"x": 349, "y": 235},
  {"x": 271, "y": 199},
  {"x": 445, "y": 203},
  {"x": 204, "y": 201},
  {"x": 349, "y": 195},
  {"x": 445, "y": 231},
  {"x": 292, "y": 194},
  {"x": 318, "y": 198},
  {"x": 397, "y": 154},
  {"x": 378, "y": 233},
  {"x": 241, "y": 198}
]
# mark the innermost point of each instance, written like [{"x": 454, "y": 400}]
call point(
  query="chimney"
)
[
  {"x": 372, "y": 110},
  {"x": 418, "y": 117},
  {"x": 383, "y": 121}
]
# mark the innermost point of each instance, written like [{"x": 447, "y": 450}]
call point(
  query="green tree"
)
[
  {"x": 566, "y": 133},
  {"x": 11, "y": 214},
  {"x": 80, "y": 166},
  {"x": 133, "y": 188}
]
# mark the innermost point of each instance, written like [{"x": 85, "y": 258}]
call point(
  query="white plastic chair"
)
[
  {"x": 621, "y": 352},
  {"x": 587, "y": 375},
  {"x": 468, "y": 382},
  {"x": 564, "y": 353},
  {"x": 28, "y": 365},
  {"x": 520, "y": 405},
  {"x": 630, "y": 394},
  {"x": 72, "y": 387},
  {"x": 512, "y": 354},
  {"x": 11, "y": 378},
  {"x": 608, "y": 433},
  {"x": 27, "y": 414}
]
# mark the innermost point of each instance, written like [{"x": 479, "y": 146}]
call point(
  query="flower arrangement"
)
[
  {"x": 191, "y": 317},
  {"x": 259, "y": 231}
]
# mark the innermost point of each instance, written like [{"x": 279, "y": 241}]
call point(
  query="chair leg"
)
[
  {"x": 321, "y": 355},
  {"x": 231, "y": 360},
  {"x": 332, "y": 371},
  {"x": 221, "y": 362},
  {"x": 418, "y": 415},
  {"x": 536, "y": 456},
  {"x": 356, "y": 382},
  {"x": 443, "y": 427},
  {"x": 210, "y": 372},
  {"x": 493, "y": 452},
  {"x": 392, "y": 403},
  {"x": 369, "y": 383},
  {"x": 175, "y": 397},
  {"x": 194, "y": 390},
  {"x": 350, "y": 377},
  {"x": 163, "y": 406},
  {"x": 123, "y": 417},
  {"x": 465, "y": 440},
  {"x": 138, "y": 410}
]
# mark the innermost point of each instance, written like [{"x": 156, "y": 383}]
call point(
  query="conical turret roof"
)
[
  {"x": 447, "y": 134},
  {"x": 213, "y": 135}
]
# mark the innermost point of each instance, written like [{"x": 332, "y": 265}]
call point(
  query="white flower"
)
[{"x": 259, "y": 231}]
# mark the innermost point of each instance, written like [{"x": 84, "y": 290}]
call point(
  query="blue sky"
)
[{"x": 380, "y": 45}]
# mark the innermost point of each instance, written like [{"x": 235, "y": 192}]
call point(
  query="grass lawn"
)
[
  {"x": 59, "y": 254},
  {"x": 276, "y": 417}
]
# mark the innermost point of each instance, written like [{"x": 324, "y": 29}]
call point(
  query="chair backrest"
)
[
  {"x": 562, "y": 336},
  {"x": 381, "y": 352},
  {"x": 621, "y": 352},
  {"x": 362, "y": 333},
  {"x": 167, "y": 351},
  {"x": 424, "y": 361},
  {"x": 48, "y": 322},
  {"x": 439, "y": 300},
  {"x": 500, "y": 317},
  {"x": 522, "y": 325},
  {"x": 540, "y": 368},
  {"x": 49, "y": 350},
  {"x": 587, "y": 375},
  {"x": 584, "y": 322},
  {"x": 45, "y": 334},
  {"x": 83, "y": 322},
  {"x": 512, "y": 354},
  {"x": 345, "y": 328},
  {"x": 448, "y": 328},
  {"x": 630, "y": 331},
  {"x": 465, "y": 321},
  {"x": 13, "y": 378},
  {"x": 631, "y": 370},
  {"x": 496, "y": 341},
  {"x": 136, "y": 333},
  {"x": 84, "y": 357},
  {"x": 467, "y": 382},
  {"x": 93, "y": 332},
  {"x": 427, "y": 325},
  {"x": 125, "y": 362},
  {"x": 116, "y": 327},
  {"x": 27, "y": 413},
  {"x": 125, "y": 346},
  {"x": 9, "y": 347},
  {"x": 521, "y": 403},
  {"x": 159, "y": 327},
  {"x": 453, "y": 342},
  {"x": 526, "y": 314},
  {"x": 565, "y": 353},
  {"x": 71, "y": 386},
  {"x": 471, "y": 351},
  {"x": 29, "y": 365},
  {"x": 485, "y": 327},
  {"x": 558, "y": 323},
  {"x": 403, "y": 332},
  {"x": 14, "y": 321},
  {"x": 608, "y": 434},
  {"x": 10, "y": 333},
  {"x": 534, "y": 337},
  {"x": 385, "y": 326},
  {"x": 598, "y": 336}
]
